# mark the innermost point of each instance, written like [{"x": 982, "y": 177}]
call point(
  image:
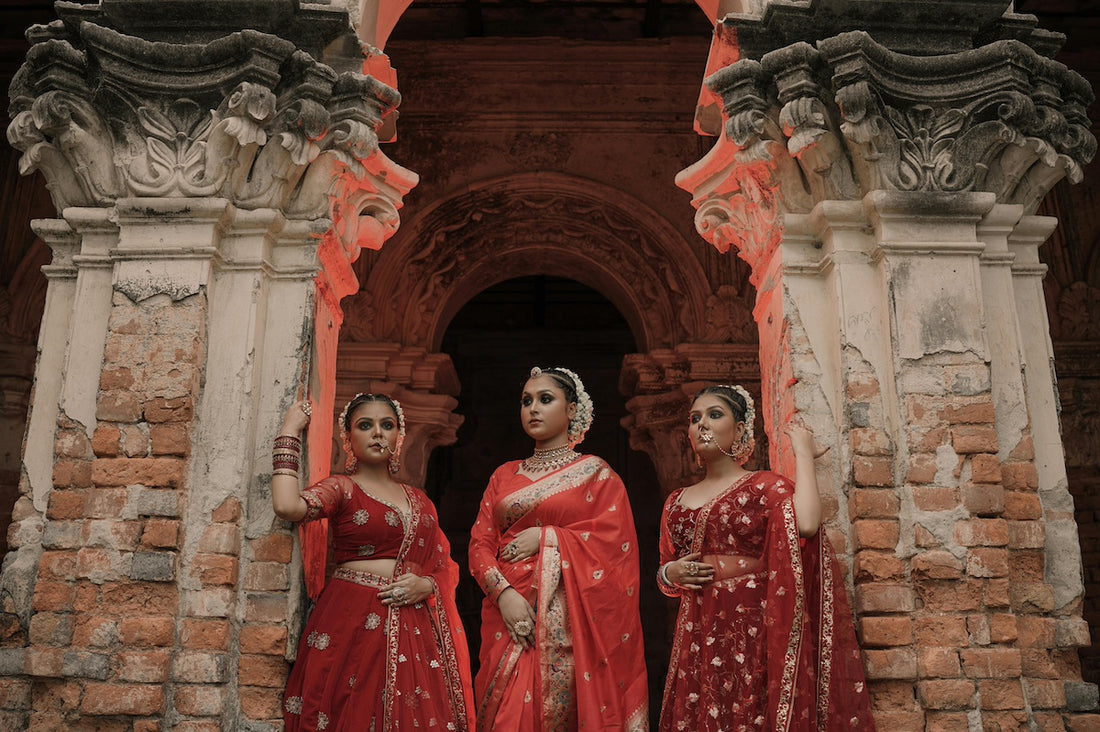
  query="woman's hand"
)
[
  {"x": 689, "y": 573},
  {"x": 297, "y": 417},
  {"x": 524, "y": 546},
  {"x": 408, "y": 589},
  {"x": 802, "y": 441},
  {"x": 519, "y": 617}
]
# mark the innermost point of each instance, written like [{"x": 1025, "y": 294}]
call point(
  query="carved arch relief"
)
[{"x": 535, "y": 223}]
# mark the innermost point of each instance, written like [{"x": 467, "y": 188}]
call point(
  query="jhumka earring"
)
[{"x": 350, "y": 462}]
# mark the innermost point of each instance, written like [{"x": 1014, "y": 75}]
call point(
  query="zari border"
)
[
  {"x": 674, "y": 655},
  {"x": 825, "y": 642},
  {"x": 556, "y": 666},
  {"x": 518, "y": 504},
  {"x": 494, "y": 692},
  {"x": 784, "y": 708},
  {"x": 393, "y": 616},
  {"x": 638, "y": 721},
  {"x": 441, "y": 627}
]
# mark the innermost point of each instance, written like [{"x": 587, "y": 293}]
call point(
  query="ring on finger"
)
[
  {"x": 307, "y": 408},
  {"x": 523, "y": 628}
]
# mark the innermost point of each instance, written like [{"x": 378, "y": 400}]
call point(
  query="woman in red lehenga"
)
[
  {"x": 383, "y": 649},
  {"x": 764, "y": 638},
  {"x": 555, "y": 551}
]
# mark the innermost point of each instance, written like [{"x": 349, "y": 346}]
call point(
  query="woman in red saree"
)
[
  {"x": 383, "y": 649},
  {"x": 555, "y": 551},
  {"x": 764, "y": 637}
]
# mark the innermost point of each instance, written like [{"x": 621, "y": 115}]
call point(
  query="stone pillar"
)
[
  {"x": 211, "y": 195},
  {"x": 882, "y": 186}
]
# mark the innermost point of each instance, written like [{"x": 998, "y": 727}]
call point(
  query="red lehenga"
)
[
  {"x": 366, "y": 667},
  {"x": 769, "y": 645},
  {"x": 587, "y": 669}
]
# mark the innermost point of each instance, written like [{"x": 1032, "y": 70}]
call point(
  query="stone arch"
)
[{"x": 533, "y": 223}]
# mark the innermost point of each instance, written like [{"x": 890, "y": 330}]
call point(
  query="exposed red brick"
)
[
  {"x": 947, "y": 596},
  {"x": 898, "y": 720},
  {"x": 266, "y": 576},
  {"x": 1045, "y": 693},
  {"x": 160, "y": 409},
  {"x": 873, "y": 471},
  {"x": 936, "y": 564},
  {"x": 985, "y": 468},
  {"x": 922, "y": 468},
  {"x": 118, "y": 406},
  {"x": 1031, "y": 597},
  {"x": 199, "y": 701},
  {"x": 273, "y": 548},
  {"x": 1035, "y": 632},
  {"x": 890, "y": 663},
  {"x": 205, "y": 634},
  {"x": 1028, "y": 567},
  {"x": 887, "y": 695},
  {"x": 72, "y": 473},
  {"x": 940, "y": 630},
  {"x": 53, "y": 596},
  {"x": 875, "y": 534},
  {"x": 105, "y": 440},
  {"x": 867, "y": 441},
  {"x": 263, "y": 639},
  {"x": 144, "y": 666},
  {"x": 985, "y": 663},
  {"x": 861, "y": 387},
  {"x": 229, "y": 511},
  {"x": 970, "y": 439},
  {"x": 1017, "y": 476},
  {"x": 987, "y": 562},
  {"x": 57, "y": 565},
  {"x": 935, "y": 498},
  {"x": 875, "y": 566},
  {"x": 267, "y": 671},
  {"x": 885, "y": 630},
  {"x": 982, "y": 532},
  {"x": 265, "y": 607},
  {"x": 982, "y": 499},
  {"x": 260, "y": 703},
  {"x": 1002, "y": 628},
  {"x": 95, "y": 631},
  {"x": 946, "y": 693},
  {"x": 1001, "y": 694},
  {"x": 221, "y": 539},
  {"x": 161, "y": 533},
  {"x": 118, "y": 378},
  {"x": 969, "y": 411},
  {"x": 215, "y": 569},
  {"x": 132, "y": 699},
  {"x": 1024, "y": 450},
  {"x": 170, "y": 438},
  {"x": 937, "y": 662},
  {"x": 153, "y": 630},
  {"x": 884, "y": 598},
  {"x": 158, "y": 472},
  {"x": 947, "y": 722},
  {"x": 1026, "y": 535}
]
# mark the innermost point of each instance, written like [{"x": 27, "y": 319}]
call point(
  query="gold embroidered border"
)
[
  {"x": 784, "y": 708},
  {"x": 444, "y": 642},
  {"x": 494, "y": 692},
  {"x": 393, "y": 616},
  {"x": 519, "y": 503},
  {"x": 825, "y": 657},
  {"x": 555, "y": 646},
  {"x": 638, "y": 721},
  {"x": 674, "y": 656}
]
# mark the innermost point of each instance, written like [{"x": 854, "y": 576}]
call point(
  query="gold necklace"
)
[{"x": 550, "y": 458}]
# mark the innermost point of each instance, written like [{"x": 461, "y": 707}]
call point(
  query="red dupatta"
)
[
  {"x": 815, "y": 676},
  {"x": 584, "y": 591}
]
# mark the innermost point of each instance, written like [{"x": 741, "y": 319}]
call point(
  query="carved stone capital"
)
[
  {"x": 245, "y": 116},
  {"x": 835, "y": 117},
  {"x": 655, "y": 424}
]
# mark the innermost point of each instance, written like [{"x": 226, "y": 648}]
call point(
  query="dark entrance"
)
[{"x": 494, "y": 340}]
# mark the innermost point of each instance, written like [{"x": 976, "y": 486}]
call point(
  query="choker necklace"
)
[{"x": 550, "y": 458}]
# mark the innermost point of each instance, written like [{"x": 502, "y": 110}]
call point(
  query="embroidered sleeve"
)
[
  {"x": 776, "y": 490},
  {"x": 484, "y": 544},
  {"x": 323, "y": 499}
]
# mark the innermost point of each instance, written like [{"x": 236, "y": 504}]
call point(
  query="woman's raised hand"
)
[
  {"x": 689, "y": 573},
  {"x": 802, "y": 441},
  {"x": 297, "y": 417},
  {"x": 524, "y": 546}
]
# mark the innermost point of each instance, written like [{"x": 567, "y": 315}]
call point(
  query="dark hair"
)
[
  {"x": 563, "y": 380},
  {"x": 361, "y": 399},
  {"x": 735, "y": 401}
]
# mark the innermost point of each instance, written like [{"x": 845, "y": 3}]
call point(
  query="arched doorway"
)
[{"x": 493, "y": 341}]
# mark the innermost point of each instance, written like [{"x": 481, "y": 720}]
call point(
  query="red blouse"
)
[{"x": 363, "y": 527}]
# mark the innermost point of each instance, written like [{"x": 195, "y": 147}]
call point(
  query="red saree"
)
[
  {"x": 587, "y": 669},
  {"x": 364, "y": 666},
  {"x": 772, "y": 648}
]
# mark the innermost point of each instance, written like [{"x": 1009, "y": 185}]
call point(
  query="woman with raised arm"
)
[
  {"x": 764, "y": 637},
  {"x": 555, "y": 551},
  {"x": 383, "y": 649}
]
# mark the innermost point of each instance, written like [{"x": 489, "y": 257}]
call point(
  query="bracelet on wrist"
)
[{"x": 662, "y": 575}]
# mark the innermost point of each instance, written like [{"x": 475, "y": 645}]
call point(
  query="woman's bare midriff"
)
[{"x": 380, "y": 567}]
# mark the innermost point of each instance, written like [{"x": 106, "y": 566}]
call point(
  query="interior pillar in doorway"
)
[
  {"x": 211, "y": 197},
  {"x": 882, "y": 185}
]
